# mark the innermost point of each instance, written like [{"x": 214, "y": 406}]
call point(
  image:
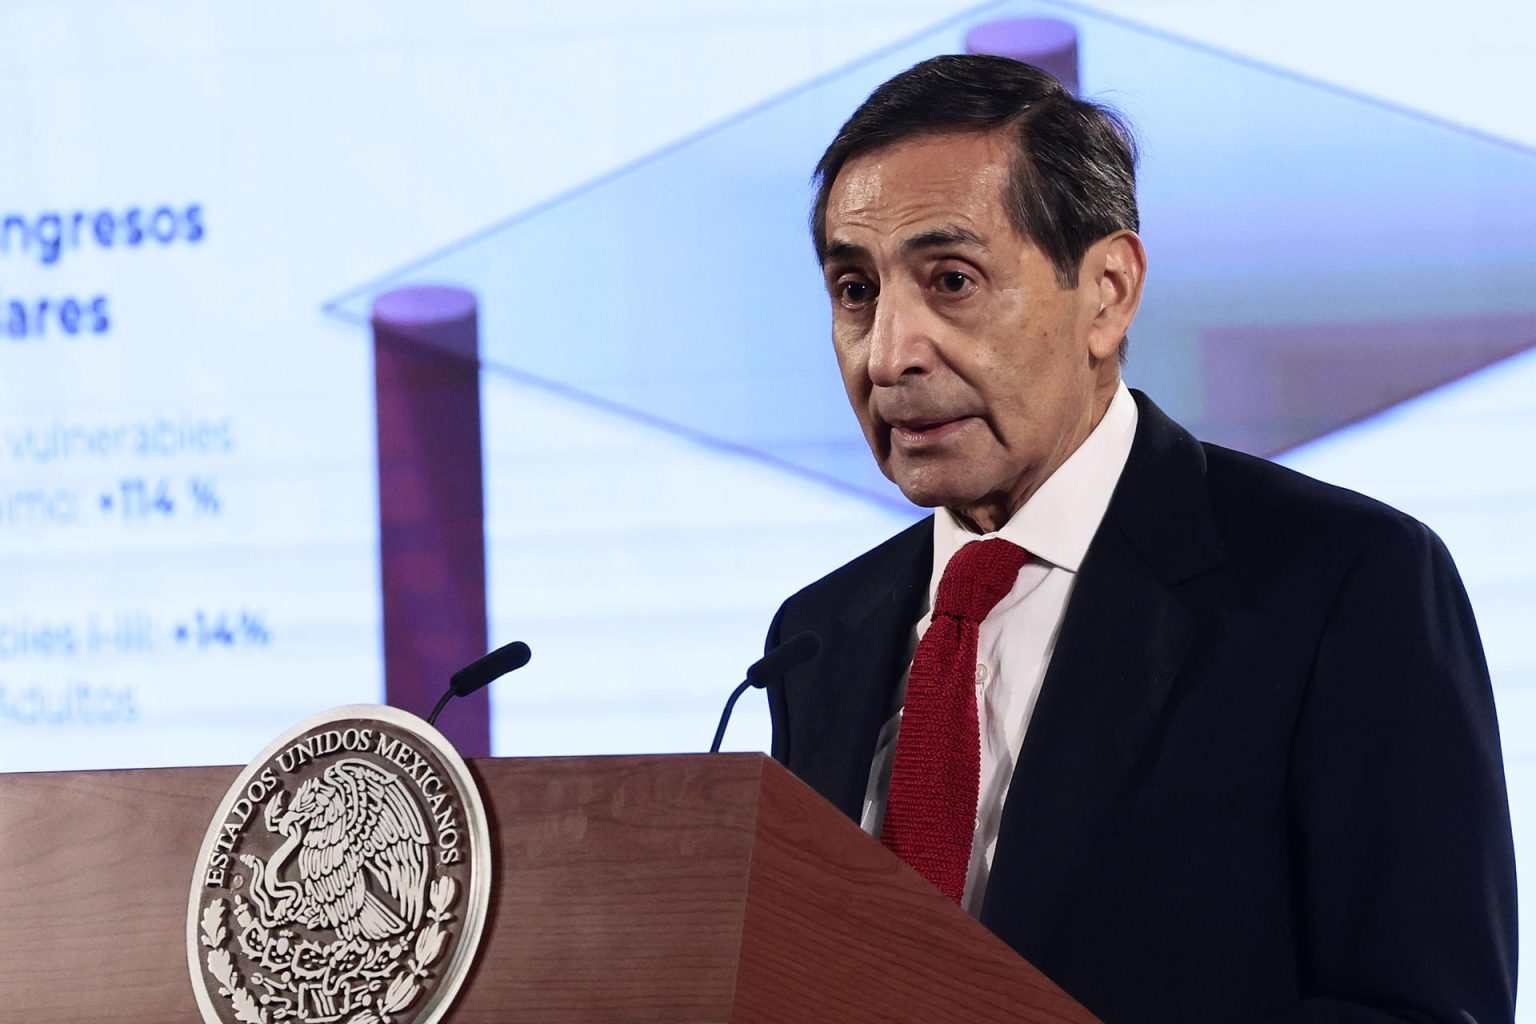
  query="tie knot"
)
[{"x": 978, "y": 576}]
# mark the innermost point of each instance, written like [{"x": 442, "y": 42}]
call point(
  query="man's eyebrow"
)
[
  {"x": 947, "y": 235},
  {"x": 839, "y": 252},
  {"x": 942, "y": 237}
]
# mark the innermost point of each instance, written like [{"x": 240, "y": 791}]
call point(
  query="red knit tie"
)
[{"x": 930, "y": 813}]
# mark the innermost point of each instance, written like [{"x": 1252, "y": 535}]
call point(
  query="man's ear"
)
[{"x": 1114, "y": 269}]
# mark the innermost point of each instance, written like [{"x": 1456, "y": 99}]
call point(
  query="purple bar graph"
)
[
  {"x": 1048, "y": 43},
  {"x": 431, "y": 503}
]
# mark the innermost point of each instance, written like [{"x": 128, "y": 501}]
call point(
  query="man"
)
[{"x": 1230, "y": 750}]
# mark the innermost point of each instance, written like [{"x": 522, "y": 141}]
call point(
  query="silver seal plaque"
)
[{"x": 344, "y": 878}]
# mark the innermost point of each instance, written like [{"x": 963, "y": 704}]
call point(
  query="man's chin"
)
[
  {"x": 977, "y": 512},
  {"x": 931, "y": 480},
  {"x": 930, "y": 494}
]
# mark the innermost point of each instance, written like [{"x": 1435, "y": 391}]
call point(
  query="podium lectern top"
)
[{"x": 686, "y": 888}]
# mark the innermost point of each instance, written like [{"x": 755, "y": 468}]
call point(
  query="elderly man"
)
[{"x": 1203, "y": 739}]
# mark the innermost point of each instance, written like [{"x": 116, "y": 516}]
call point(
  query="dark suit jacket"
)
[{"x": 1263, "y": 777}]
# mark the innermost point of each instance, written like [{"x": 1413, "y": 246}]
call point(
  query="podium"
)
[{"x": 687, "y": 889}]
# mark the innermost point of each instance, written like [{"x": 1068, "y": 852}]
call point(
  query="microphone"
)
[
  {"x": 482, "y": 672},
  {"x": 792, "y": 653}
]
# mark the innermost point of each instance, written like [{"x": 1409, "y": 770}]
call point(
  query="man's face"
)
[{"x": 974, "y": 374}]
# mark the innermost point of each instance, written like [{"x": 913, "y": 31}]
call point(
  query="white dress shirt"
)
[{"x": 1015, "y": 643}]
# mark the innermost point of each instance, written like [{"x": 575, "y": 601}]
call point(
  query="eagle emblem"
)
[
  {"x": 331, "y": 883},
  {"x": 362, "y": 855}
]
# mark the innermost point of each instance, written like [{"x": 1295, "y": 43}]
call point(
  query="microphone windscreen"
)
[
  {"x": 493, "y": 666},
  {"x": 792, "y": 653}
]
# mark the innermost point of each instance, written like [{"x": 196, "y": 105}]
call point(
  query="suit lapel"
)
[
  {"x": 840, "y": 705},
  {"x": 1122, "y": 641}
]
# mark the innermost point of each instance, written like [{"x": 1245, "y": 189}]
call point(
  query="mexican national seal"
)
[{"x": 344, "y": 878}]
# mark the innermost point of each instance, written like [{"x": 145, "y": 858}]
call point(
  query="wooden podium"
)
[{"x": 686, "y": 888}]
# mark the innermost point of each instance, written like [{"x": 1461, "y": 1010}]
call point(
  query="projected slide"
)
[
  {"x": 1310, "y": 270},
  {"x": 169, "y": 577}
]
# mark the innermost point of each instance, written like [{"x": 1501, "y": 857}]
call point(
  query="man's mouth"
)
[{"x": 916, "y": 433}]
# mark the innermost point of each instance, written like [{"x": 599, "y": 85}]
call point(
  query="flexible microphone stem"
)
[
  {"x": 792, "y": 653},
  {"x": 725, "y": 716},
  {"x": 442, "y": 702},
  {"x": 482, "y": 672}
]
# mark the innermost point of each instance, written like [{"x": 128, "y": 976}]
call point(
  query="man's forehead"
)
[{"x": 929, "y": 190}]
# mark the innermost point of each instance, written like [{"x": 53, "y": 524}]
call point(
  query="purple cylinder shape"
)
[
  {"x": 431, "y": 503},
  {"x": 1048, "y": 43}
]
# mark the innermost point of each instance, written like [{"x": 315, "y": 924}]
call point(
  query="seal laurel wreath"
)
[
  {"x": 322, "y": 983},
  {"x": 349, "y": 901}
]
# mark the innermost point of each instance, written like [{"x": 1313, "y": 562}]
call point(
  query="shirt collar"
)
[{"x": 1059, "y": 520}]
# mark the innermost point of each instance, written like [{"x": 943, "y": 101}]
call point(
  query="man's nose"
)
[{"x": 900, "y": 343}]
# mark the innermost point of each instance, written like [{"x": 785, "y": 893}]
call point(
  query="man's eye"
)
[
  {"x": 855, "y": 293},
  {"x": 954, "y": 282}
]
